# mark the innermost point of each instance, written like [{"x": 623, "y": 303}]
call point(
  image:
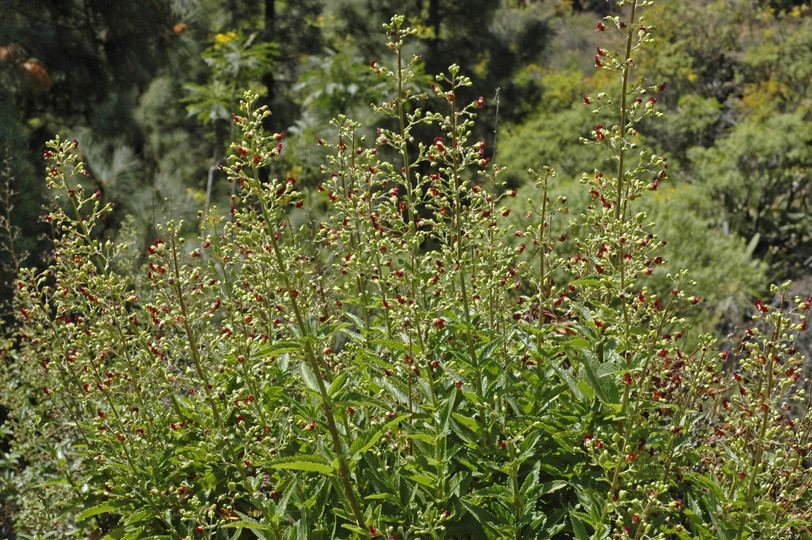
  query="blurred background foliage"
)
[{"x": 148, "y": 87}]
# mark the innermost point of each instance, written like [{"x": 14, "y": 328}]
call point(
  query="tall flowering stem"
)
[{"x": 256, "y": 150}]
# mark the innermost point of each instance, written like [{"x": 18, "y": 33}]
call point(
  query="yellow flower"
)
[{"x": 222, "y": 39}]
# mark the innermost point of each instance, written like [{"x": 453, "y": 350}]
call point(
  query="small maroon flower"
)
[
  {"x": 439, "y": 323},
  {"x": 101, "y": 414},
  {"x": 627, "y": 378},
  {"x": 631, "y": 457},
  {"x": 601, "y": 26},
  {"x": 479, "y": 102}
]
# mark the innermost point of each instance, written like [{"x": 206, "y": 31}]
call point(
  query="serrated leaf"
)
[
  {"x": 302, "y": 463},
  {"x": 425, "y": 437},
  {"x": 484, "y": 517},
  {"x": 279, "y": 348},
  {"x": 424, "y": 479},
  {"x": 578, "y": 526},
  {"x": 546, "y": 488},
  {"x": 605, "y": 387}
]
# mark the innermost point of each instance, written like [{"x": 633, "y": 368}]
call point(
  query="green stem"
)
[
  {"x": 314, "y": 362},
  {"x": 760, "y": 442}
]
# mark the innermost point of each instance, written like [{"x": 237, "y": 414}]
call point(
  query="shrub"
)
[{"x": 396, "y": 367}]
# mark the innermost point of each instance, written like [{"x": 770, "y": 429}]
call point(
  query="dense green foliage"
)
[{"x": 388, "y": 326}]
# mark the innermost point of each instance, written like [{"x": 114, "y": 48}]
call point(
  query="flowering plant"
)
[{"x": 407, "y": 365}]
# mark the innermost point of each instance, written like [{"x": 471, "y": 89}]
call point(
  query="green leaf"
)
[
  {"x": 602, "y": 383},
  {"x": 578, "y": 526},
  {"x": 567, "y": 378},
  {"x": 279, "y": 348},
  {"x": 425, "y": 437},
  {"x": 309, "y": 377},
  {"x": 467, "y": 422},
  {"x": 302, "y": 463},
  {"x": 116, "y": 534},
  {"x": 98, "y": 509},
  {"x": 551, "y": 486},
  {"x": 366, "y": 441},
  {"x": 484, "y": 517},
  {"x": 427, "y": 480},
  {"x": 338, "y": 384},
  {"x": 493, "y": 492}
]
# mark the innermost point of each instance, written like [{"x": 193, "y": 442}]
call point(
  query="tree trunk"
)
[
  {"x": 268, "y": 36},
  {"x": 434, "y": 20}
]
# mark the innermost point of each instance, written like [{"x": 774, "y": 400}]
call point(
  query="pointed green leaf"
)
[
  {"x": 302, "y": 463},
  {"x": 602, "y": 383},
  {"x": 98, "y": 509}
]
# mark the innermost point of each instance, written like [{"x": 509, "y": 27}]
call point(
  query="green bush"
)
[{"x": 398, "y": 367}]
